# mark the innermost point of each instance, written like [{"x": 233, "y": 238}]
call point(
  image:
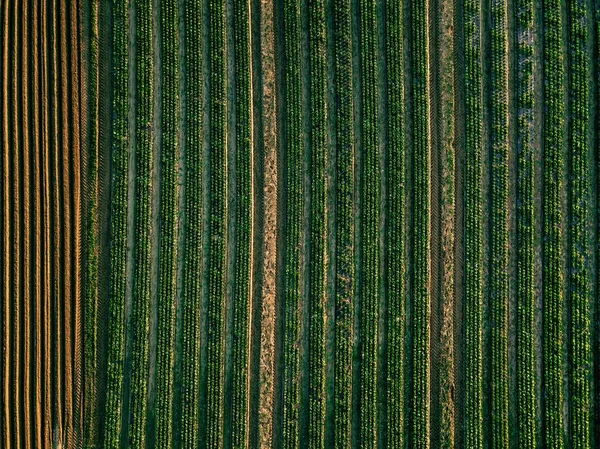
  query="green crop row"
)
[
  {"x": 317, "y": 222},
  {"x": 90, "y": 437},
  {"x": 118, "y": 227},
  {"x": 526, "y": 391},
  {"x": 498, "y": 299},
  {"x": 396, "y": 240},
  {"x": 167, "y": 282},
  {"x": 420, "y": 236},
  {"x": 580, "y": 357},
  {"x": 217, "y": 224},
  {"x": 292, "y": 222},
  {"x": 473, "y": 228},
  {"x": 140, "y": 317},
  {"x": 192, "y": 235},
  {"x": 344, "y": 216},
  {"x": 369, "y": 264},
  {"x": 243, "y": 247},
  {"x": 552, "y": 219}
]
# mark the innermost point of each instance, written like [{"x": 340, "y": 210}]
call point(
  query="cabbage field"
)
[{"x": 299, "y": 224}]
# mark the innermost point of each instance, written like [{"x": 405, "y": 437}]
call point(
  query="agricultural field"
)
[{"x": 296, "y": 224}]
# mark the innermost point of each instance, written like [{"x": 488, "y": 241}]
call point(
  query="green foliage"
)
[
  {"x": 292, "y": 221},
  {"x": 192, "y": 236},
  {"x": 167, "y": 282},
  {"x": 345, "y": 232},
  {"x": 526, "y": 383},
  {"x": 317, "y": 223},
  {"x": 552, "y": 218},
  {"x": 217, "y": 225},
  {"x": 396, "y": 238},
  {"x": 473, "y": 229},
  {"x": 370, "y": 201},
  {"x": 420, "y": 235},
  {"x": 580, "y": 207},
  {"x": 498, "y": 292},
  {"x": 118, "y": 227},
  {"x": 243, "y": 246}
]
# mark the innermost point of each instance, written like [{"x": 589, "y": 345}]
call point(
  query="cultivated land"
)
[{"x": 299, "y": 224}]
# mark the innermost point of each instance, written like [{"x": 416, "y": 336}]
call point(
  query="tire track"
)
[
  {"x": 25, "y": 268},
  {"x": 15, "y": 145},
  {"x": 38, "y": 249},
  {"x": 6, "y": 412},
  {"x": 74, "y": 62},
  {"x": 46, "y": 202}
]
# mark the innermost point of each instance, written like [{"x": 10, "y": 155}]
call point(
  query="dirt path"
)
[
  {"x": 26, "y": 217},
  {"x": 37, "y": 250},
  {"x": 269, "y": 251},
  {"x": 47, "y": 289},
  {"x": 6, "y": 412},
  {"x": 447, "y": 197},
  {"x": 16, "y": 145},
  {"x": 74, "y": 56}
]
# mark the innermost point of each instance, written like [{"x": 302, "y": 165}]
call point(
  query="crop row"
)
[
  {"x": 90, "y": 436},
  {"x": 118, "y": 227},
  {"x": 395, "y": 252},
  {"x": 420, "y": 234},
  {"x": 344, "y": 216},
  {"x": 140, "y": 316},
  {"x": 526, "y": 391},
  {"x": 498, "y": 300},
  {"x": 243, "y": 247},
  {"x": 580, "y": 211},
  {"x": 473, "y": 229},
  {"x": 167, "y": 284},
  {"x": 293, "y": 218},
  {"x": 552, "y": 217},
  {"x": 217, "y": 223},
  {"x": 192, "y": 236},
  {"x": 369, "y": 264},
  {"x": 317, "y": 223}
]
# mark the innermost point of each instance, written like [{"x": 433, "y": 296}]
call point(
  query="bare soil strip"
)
[
  {"x": 26, "y": 217},
  {"x": 447, "y": 142},
  {"x": 15, "y": 143},
  {"x": 5, "y": 412},
  {"x": 56, "y": 335},
  {"x": 64, "y": 161},
  {"x": 46, "y": 204},
  {"x": 75, "y": 200},
  {"x": 271, "y": 219},
  {"x": 37, "y": 250}
]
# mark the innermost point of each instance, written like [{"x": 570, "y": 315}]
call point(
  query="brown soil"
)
[
  {"x": 267, "y": 343},
  {"x": 6, "y": 412},
  {"x": 75, "y": 200},
  {"x": 66, "y": 227},
  {"x": 446, "y": 131},
  {"x": 15, "y": 144},
  {"x": 26, "y": 233}
]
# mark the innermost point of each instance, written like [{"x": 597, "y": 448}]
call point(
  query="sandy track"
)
[
  {"x": 271, "y": 219},
  {"x": 37, "y": 170},
  {"x": 75, "y": 200},
  {"x": 6, "y": 226},
  {"x": 15, "y": 144},
  {"x": 47, "y": 353},
  {"x": 26, "y": 217}
]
